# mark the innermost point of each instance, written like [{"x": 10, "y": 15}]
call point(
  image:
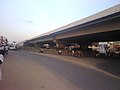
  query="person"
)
[
  {"x": 59, "y": 52},
  {"x": 41, "y": 50},
  {"x": 1, "y": 61},
  {"x": 73, "y": 52},
  {"x": 6, "y": 49},
  {"x": 2, "y": 50}
]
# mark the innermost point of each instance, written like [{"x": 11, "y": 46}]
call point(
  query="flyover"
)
[{"x": 102, "y": 26}]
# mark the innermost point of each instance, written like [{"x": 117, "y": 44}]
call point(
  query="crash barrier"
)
[
  {"x": 76, "y": 53},
  {"x": 55, "y": 51}
]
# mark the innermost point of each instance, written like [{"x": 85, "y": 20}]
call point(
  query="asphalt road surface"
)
[{"x": 30, "y": 71}]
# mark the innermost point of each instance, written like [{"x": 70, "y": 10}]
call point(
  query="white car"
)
[{"x": 12, "y": 48}]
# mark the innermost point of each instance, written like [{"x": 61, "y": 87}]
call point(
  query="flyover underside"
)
[
  {"x": 96, "y": 37},
  {"x": 99, "y": 30},
  {"x": 51, "y": 43},
  {"x": 98, "y": 26}
]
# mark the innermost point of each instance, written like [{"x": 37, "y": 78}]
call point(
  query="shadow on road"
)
[{"x": 111, "y": 66}]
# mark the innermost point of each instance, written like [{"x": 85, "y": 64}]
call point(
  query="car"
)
[{"x": 12, "y": 48}]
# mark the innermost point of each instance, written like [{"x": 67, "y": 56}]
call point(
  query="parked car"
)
[{"x": 12, "y": 48}]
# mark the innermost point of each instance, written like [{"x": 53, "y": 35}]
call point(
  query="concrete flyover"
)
[{"x": 103, "y": 26}]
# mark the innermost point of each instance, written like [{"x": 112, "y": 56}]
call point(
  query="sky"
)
[{"x": 24, "y": 19}]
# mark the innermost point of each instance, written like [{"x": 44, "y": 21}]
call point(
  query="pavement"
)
[
  {"x": 105, "y": 65},
  {"x": 23, "y": 71},
  {"x": 40, "y": 71},
  {"x": 0, "y": 73}
]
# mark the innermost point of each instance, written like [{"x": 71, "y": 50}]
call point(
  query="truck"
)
[
  {"x": 114, "y": 49},
  {"x": 107, "y": 49},
  {"x": 110, "y": 49},
  {"x": 102, "y": 48}
]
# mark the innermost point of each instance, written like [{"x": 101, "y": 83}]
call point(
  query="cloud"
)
[{"x": 28, "y": 21}]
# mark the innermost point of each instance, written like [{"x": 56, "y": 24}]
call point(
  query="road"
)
[{"x": 30, "y": 71}]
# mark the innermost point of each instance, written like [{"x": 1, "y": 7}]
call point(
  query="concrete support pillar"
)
[
  {"x": 39, "y": 44},
  {"x": 59, "y": 44}
]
